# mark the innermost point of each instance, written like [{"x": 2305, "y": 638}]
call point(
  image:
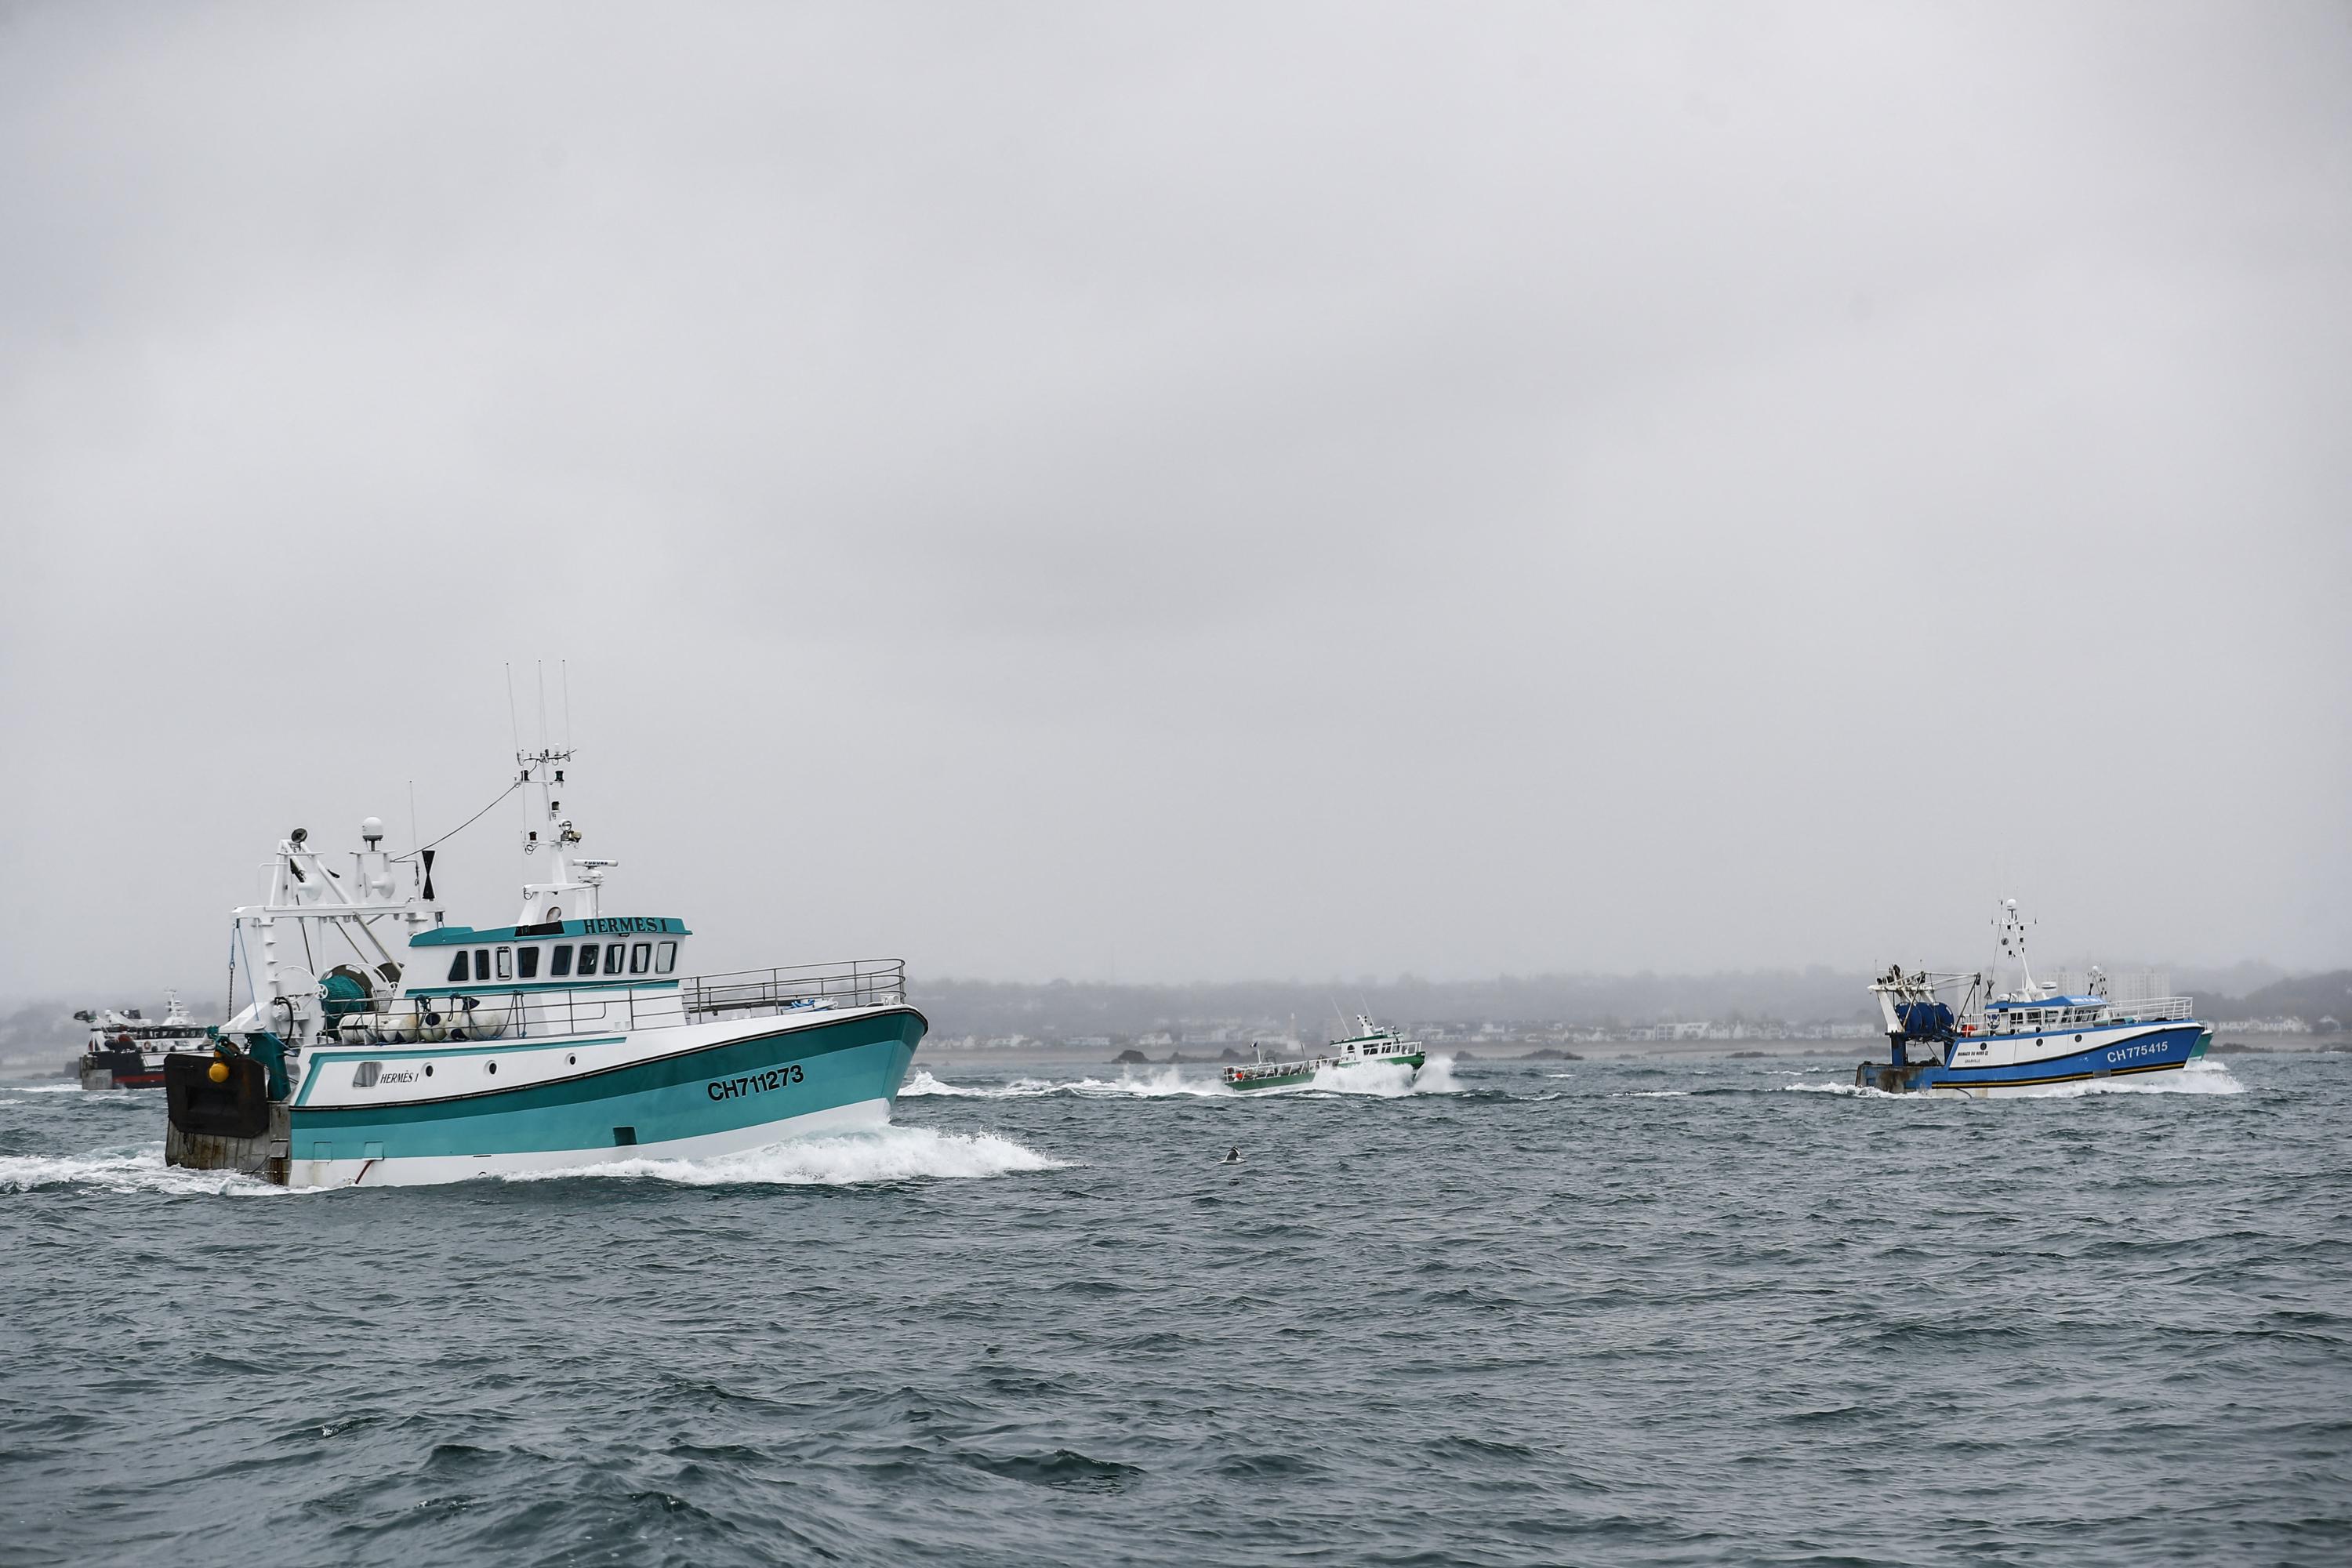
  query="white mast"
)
[
  {"x": 573, "y": 883},
  {"x": 304, "y": 888},
  {"x": 2013, "y": 944}
]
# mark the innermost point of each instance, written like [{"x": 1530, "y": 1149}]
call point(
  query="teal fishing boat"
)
[
  {"x": 382, "y": 1044},
  {"x": 1368, "y": 1045}
]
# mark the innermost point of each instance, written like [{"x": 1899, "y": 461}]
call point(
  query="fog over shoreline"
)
[{"x": 1060, "y": 1009}]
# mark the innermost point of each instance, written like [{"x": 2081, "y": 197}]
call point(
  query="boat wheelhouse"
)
[
  {"x": 431, "y": 1052},
  {"x": 1982, "y": 1042},
  {"x": 126, "y": 1049},
  {"x": 1370, "y": 1045}
]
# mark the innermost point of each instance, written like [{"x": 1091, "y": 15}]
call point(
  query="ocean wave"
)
[
  {"x": 140, "y": 1171},
  {"x": 1151, "y": 1086},
  {"x": 1855, "y": 1090},
  {"x": 1436, "y": 1077},
  {"x": 1382, "y": 1080},
  {"x": 1169, "y": 1081},
  {"x": 56, "y": 1089},
  {"x": 923, "y": 1084},
  {"x": 886, "y": 1153},
  {"x": 2198, "y": 1078},
  {"x": 1378, "y": 1079}
]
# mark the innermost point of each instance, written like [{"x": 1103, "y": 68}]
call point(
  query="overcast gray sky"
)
[{"x": 1203, "y": 491}]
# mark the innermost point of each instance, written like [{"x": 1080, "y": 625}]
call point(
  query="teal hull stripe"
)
[
  {"x": 722, "y": 1088},
  {"x": 322, "y": 1065}
]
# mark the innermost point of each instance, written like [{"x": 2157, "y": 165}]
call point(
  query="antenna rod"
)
[
  {"x": 564, "y": 667},
  {"x": 542, "y": 703},
  {"x": 514, "y": 725}
]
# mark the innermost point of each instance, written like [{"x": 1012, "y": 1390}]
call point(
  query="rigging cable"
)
[{"x": 461, "y": 828}]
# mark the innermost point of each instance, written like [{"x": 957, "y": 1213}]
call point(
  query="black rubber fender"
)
[{"x": 237, "y": 1108}]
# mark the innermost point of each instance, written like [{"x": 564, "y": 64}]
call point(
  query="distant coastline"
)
[{"x": 1814, "y": 1011}]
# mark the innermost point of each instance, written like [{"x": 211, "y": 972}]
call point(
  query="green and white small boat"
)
[{"x": 1368, "y": 1045}]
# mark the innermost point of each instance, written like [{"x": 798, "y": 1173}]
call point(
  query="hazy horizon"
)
[
  {"x": 1185, "y": 492},
  {"x": 1828, "y": 991}
]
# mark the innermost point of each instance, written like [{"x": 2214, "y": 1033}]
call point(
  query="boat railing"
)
[
  {"x": 1276, "y": 1070},
  {"x": 2147, "y": 1010},
  {"x": 2156, "y": 1009},
  {"x": 856, "y": 982},
  {"x": 702, "y": 999}
]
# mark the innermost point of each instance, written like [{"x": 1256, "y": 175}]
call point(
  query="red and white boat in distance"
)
[{"x": 126, "y": 1051}]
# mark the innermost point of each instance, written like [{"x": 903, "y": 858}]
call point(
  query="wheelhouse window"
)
[
  {"x": 458, "y": 968},
  {"x": 587, "y": 958},
  {"x": 641, "y": 957},
  {"x": 612, "y": 956},
  {"x": 481, "y": 963},
  {"x": 560, "y": 964},
  {"x": 506, "y": 963},
  {"x": 665, "y": 957},
  {"x": 526, "y": 964}
]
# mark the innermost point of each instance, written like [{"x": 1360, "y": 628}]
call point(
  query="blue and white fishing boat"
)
[
  {"x": 383, "y": 1046},
  {"x": 1982, "y": 1042}
]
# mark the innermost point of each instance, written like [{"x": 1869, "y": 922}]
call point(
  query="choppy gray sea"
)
[{"x": 1608, "y": 1312}]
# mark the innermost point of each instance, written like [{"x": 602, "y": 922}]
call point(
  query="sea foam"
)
[
  {"x": 886, "y": 1153},
  {"x": 1387, "y": 1080},
  {"x": 1378, "y": 1079},
  {"x": 2199, "y": 1078},
  {"x": 1159, "y": 1085},
  {"x": 137, "y": 1170}
]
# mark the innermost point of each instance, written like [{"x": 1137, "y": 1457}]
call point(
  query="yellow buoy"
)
[{"x": 218, "y": 1072}]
